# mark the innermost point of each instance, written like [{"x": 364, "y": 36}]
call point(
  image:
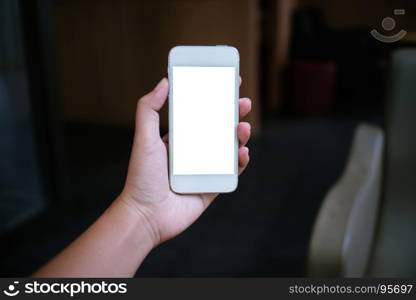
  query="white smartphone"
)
[{"x": 203, "y": 117}]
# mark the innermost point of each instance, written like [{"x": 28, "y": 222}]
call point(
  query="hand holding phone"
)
[{"x": 147, "y": 190}]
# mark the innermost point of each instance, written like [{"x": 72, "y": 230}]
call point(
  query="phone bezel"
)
[{"x": 203, "y": 56}]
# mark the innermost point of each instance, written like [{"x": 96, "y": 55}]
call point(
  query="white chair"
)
[
  {"x": 354, "y": 235},
  {"x": 343, "y": 232}
]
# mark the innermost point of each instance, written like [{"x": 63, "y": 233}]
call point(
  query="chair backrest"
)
[
  {"x": 394, "y": 252},
  {"x": 343, "y": 232}
]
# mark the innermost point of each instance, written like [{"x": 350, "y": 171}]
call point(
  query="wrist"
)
[{"x": 141, "y": 217}]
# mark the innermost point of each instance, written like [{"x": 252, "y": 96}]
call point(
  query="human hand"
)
[{"x": 147, "y": 191}]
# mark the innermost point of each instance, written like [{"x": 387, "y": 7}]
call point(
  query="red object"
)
[{"x": 312, "y": 85}]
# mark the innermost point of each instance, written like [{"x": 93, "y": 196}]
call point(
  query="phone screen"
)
[{"x": 203, "y": 120}]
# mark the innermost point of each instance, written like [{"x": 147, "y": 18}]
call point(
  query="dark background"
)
[{"x": 70, "y": 76}]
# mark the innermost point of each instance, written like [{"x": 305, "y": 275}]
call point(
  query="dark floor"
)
[{"x": 262, "y": 229}]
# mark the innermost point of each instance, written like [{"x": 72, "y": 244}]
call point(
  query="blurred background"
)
[{"x": 330, "y": 190}]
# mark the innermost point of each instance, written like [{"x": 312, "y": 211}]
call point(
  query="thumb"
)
[{"x": 147, "y": 114}]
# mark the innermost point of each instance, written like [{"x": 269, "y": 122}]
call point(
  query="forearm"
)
[{"x": 114, "y": 246}]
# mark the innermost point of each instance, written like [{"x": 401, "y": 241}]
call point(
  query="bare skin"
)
[{"x": 147, "y": 212}]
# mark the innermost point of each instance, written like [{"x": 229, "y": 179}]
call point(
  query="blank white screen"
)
[{"x": 203, "y": 120}]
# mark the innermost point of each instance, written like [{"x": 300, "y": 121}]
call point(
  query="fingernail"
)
[
  {"x": 247, "y": 149},
  {"x": 160, "y": 85}
]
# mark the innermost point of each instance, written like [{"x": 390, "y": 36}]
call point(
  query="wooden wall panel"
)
[{"x": 112, "y": 52}]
